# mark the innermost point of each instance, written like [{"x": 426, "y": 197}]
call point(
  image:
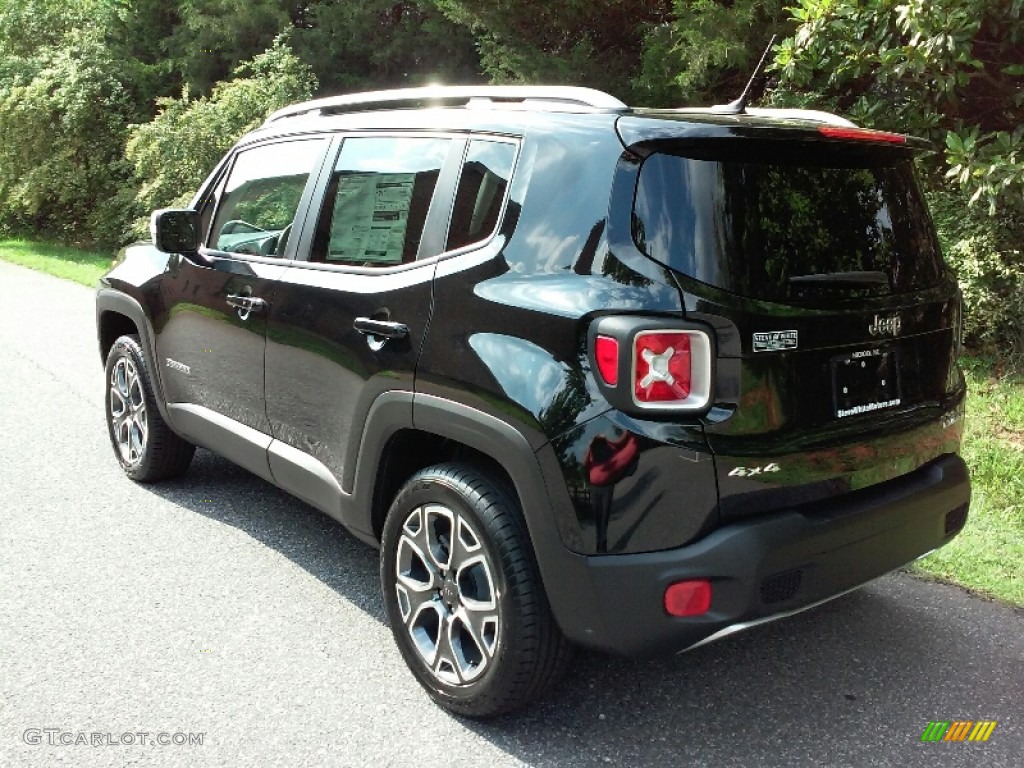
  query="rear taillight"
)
[
  {"x": 671, "y": 369},
  {"x": 606, "y": 353},
  {"x": 860, "y": 134},
  {"x": 662, "y": 367},
  {"x": 649, "y": 364}
]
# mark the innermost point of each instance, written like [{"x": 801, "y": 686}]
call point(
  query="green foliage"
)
[
  {"x": 987, "y": 253},
  {"x": 62, "y": 130},
  {"x": 989, "y": 167},
  {"x": 706, "y": 52},
  {"x": 382, "y": 43},
  {"x": 579, "y": 42},
  {"x": 213, "y": 36},
  {"x": 173, "y": 153},
  {"x": 951, "y": 71}
]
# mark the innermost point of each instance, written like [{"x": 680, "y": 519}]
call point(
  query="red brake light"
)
[
  {"x": 688, "y": 598},
  {"x": 606, "y": 352},
  {"x": 661, "y": 367},
  {"x": 861, "y": 134}
]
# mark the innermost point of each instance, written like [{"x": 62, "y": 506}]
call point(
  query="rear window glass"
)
[{"x": 809, "y": 231}]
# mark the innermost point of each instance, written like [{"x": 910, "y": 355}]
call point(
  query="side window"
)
[
  {"x": 481, "y": 192},
  {"x": 259, "y": 199},
  {"x": 377, "y": 201}
]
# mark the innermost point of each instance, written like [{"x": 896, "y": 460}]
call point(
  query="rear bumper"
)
[{"x": 773, "y": 565}]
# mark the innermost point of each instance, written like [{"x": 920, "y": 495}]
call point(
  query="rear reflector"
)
[
  {"x": 606, "y": 352},
  {"x": 688, "y": 598},
  {"x": 860, "y": 134}
]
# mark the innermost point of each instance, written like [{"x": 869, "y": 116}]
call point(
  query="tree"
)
[
  {"x": 580, "y": 42},
  {"x": 63, "y": 117},
  {"x": 172, "y": 154},
  {"x": 706, "y": 52},
  {"x": 374, "y": 44},
  {"x": 213, "y": 36},
  {"x": 951, "y": 71}
]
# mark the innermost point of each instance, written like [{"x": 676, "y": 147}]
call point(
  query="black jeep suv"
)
[{"x": 586, "y": 374}]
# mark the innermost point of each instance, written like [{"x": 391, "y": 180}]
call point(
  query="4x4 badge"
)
[{"x": 885, "y": 326}]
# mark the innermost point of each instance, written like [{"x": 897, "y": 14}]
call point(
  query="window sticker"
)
[{"x": 371, "y": 213}]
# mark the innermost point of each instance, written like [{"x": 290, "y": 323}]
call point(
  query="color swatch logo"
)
[{"x": 959, "y": 730}]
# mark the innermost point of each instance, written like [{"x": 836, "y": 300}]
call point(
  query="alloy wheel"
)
[
  {"x": 128, "y": 417},
  {"x": 447, "y": 595}
]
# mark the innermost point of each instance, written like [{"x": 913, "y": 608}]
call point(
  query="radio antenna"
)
[{"x": 739, "y": 106}]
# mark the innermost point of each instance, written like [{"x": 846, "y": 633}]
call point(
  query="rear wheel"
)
[
  {"x": 464, "y": 596},
  {"x": 144, "y": 445}
]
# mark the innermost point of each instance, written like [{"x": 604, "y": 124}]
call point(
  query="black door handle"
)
[{"x": 381, "y": 328}]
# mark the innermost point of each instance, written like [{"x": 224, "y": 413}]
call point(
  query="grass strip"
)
[{"x": 83, "y": 267}]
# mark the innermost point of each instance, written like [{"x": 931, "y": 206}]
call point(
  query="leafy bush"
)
[
  {"x": 951, "y": 71},
  {"x": 63, "y": 116},
  {"x": 705, "y": 52},
  {"x": 986, "y": 252},
  {"x": 172, "y": 154},
  {"x": 595, "y": 43}
]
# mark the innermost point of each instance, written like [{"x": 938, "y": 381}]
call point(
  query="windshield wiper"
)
[{"x": 842, "y": 279}]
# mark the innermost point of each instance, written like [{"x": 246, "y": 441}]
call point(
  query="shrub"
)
[
  {"x": 951, "y": 71},
  {"x": 986, "y": 252},
  {"x": 63, "y": 117},
  {"x": 172, "y": 154}
]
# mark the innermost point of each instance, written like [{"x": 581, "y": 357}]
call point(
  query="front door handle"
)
[
  {"x": 246, "y": 304},
  {"x": 381, "y": 328}
]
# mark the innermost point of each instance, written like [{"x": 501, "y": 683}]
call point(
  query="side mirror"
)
[{"x": 175, "y": 230}]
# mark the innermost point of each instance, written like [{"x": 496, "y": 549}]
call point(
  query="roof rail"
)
[{"x": 454, "y": 95}]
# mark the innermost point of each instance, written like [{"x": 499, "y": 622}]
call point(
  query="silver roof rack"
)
[{"x": 456, "y": 95}]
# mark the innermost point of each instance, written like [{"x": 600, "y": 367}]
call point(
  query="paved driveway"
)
[{"x": 218, "y": 605}]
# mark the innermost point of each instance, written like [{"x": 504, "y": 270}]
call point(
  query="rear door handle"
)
[{"x": 381, "y": 328}]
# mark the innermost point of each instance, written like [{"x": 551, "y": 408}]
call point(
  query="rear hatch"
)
[{"x": 811, "y": 251}]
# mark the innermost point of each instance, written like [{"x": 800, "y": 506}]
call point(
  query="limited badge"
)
[{"x": 773, "y": 341}]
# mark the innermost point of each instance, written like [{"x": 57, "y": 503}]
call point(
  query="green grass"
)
[
  {"x": 986, "y": 558},
  {"x": 83, "y": 267}
]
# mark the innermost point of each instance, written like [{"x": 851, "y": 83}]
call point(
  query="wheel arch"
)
[
  {"x": 441, "y": 430},
  {"x": 118, "y": 314}
]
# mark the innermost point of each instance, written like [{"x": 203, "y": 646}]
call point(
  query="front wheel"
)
[
  {"x": 463, "y": 594},
  {"x": 144, "y": 445}
]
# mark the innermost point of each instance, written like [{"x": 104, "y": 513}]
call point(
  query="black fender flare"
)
[
  {"x": 537, "y": 479},
  {"x": 111, "y": 300}
]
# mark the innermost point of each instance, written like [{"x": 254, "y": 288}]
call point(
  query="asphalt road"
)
[{"x": 219, "y": 605}]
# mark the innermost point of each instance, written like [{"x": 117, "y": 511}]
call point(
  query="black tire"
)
[
  {"x": 528, "y": 652},
  {"x": 146, "y": 454}
]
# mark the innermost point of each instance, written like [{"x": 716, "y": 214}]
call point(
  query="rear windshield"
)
[{"x": 810, "y": 230}]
